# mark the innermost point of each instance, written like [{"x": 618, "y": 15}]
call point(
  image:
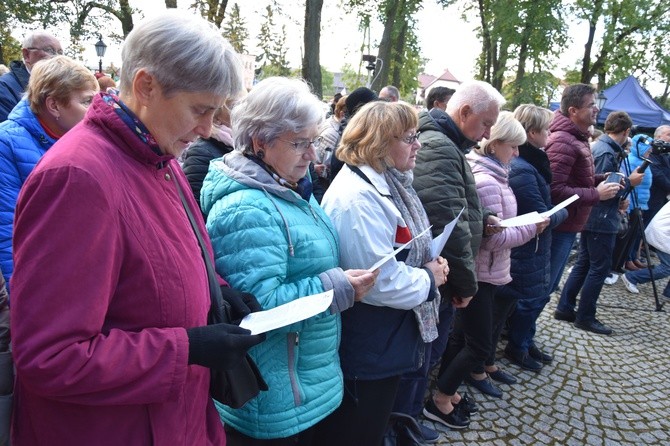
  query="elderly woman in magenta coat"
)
[{"x": 110, "y": 293}]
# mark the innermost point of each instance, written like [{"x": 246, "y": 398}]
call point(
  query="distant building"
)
[
  {"x": 249, "y": 67},
  {"x": 428, "y": 81}
]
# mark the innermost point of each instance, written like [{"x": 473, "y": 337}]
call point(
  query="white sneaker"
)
[
  {"x": 631, "y": 287},
  {"x": 612, "y": 279}
]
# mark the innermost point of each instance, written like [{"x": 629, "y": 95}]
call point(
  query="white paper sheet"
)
[
  {"x": 560, "y": 206},
  {"x": 521, "y": 220},
  {"x": 294, "y": 311},
  {"x": 388, "y": 257},
  {"x": 441, "y": 240}
]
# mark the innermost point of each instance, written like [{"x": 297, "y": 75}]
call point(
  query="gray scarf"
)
[{"x": 406, "y": 200}]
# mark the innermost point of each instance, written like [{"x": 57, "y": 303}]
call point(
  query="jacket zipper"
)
[{"x": 293, "y": 341}]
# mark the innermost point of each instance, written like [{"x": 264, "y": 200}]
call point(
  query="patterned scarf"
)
[
  {"x": 131, "y": 120},
  {"x": 406, "y": 200}
]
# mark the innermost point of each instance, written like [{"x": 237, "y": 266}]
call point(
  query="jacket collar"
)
[{"x": 449, "y": 128}]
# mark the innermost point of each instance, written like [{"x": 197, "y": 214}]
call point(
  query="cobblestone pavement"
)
[{"x": 600, "y": 390}]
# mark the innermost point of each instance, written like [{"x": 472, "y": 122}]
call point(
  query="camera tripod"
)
[{"x": 635, "y": 228}]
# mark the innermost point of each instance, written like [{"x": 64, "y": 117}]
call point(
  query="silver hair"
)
[
  {"x": 275, "y": 105},
  {"x": 477, "y": 94},
  {"x": 184, "y": 53},
  {"x": 660, "y": 130},
  {"x": 36, "y": 36},
  {"x": 506, "y": 129}
]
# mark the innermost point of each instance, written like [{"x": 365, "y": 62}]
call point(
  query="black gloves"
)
[
  {"x": 240, "y": 303},
  {"x": 220, "y": 346}
]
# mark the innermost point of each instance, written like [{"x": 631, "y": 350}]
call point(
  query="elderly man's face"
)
[
  {"x": 43, "y": 48},
  {"x": 476, "y": 126},
  {"x": 665, "y": 134}
]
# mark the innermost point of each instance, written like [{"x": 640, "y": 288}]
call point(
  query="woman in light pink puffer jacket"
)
[{"x": 490, "y": 166}]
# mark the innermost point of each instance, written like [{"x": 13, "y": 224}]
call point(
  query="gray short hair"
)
[
  {"x": 184, "y": 53},
  {"x": 36, "y": 36},
  {"x": 533, "y": 117},
  {"x": 274, "y": 106},
  {"x": 477, "y": 94}
]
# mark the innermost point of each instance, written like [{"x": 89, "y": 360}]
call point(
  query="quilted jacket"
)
[
  {"x": 23, "y": 141},
  {"x": 529, "y": 178},
  {"x": 493, "y": 258},
  {"x": 272, "y": 243},
  {"x": 12, "y": 86},
  {"x": 573, "y": 172},
  {"x": 445, "y": 184}
]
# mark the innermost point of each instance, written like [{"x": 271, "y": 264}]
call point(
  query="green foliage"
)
[
  {"x": 236, "y": 31},
  {"x": 534, "y": 88},
  {"x": 351, "y": 79},
  {"x": 273, "y": 47},
  {"x": 327, "y": 81}
]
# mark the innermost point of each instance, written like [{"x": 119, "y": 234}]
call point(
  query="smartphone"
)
[{"x": 614, "y": 177}]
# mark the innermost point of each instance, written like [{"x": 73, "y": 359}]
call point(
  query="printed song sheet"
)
[{"x": 294, "y": 311}]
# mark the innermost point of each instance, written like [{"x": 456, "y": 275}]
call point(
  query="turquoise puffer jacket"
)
[{"x": 270, "y": 242}]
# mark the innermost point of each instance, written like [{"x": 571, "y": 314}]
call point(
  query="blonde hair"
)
[
  {"x": 533, "y": 117},
  {"x": 506, "y": 129},
  {"x": 369, "y": 134},
  {"x": 57, "y": 77}
]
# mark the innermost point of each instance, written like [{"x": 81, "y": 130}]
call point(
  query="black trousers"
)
[
  {"x": 470, "y": 341},
  {"x": 363, "y": 415}
]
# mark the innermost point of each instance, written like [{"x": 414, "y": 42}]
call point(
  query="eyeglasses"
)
[
  {"x": 48, "y": 50},
  {"x": 303, "y": 146},
  {"x": 409, "y": 139}
]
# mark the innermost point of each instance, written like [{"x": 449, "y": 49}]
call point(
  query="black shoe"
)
[
  {"x": 467, "y": 404},
  {"x": 429, "y": 435},
  {"x": 565, "y": 316},
  {"x": 594, "y": 326},
  {"x": 502, "y": 377},
  {"x": 454, "y": 419},
  {"x": 485, "y": 386},
  {"x": 523, "y": 360},
  {"x": 539, "y": 355}
]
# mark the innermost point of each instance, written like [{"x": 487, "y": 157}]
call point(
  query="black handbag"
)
[
  {"x": 240, "y": 384},
  {"x": 402, "y": 430}
]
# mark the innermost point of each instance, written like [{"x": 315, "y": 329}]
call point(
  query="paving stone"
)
[{"x": 600, "y": 390}]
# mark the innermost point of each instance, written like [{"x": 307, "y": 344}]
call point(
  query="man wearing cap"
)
[{"x": 37, "y": 46}]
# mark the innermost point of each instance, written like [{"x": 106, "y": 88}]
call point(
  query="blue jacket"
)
[
  {"x": 604, "y": 217},
  {"x": 270, "y": 242},
  {"x": 530, "y": 179},
  {"x": 640, "y": 198},
  {"x": 12, "y": 86},
  {"x": 23, "y": 141}
]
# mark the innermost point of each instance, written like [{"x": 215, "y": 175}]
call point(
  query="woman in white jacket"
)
[{"x": 658, "y": 236}]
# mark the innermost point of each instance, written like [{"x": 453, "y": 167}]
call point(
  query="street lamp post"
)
[
  {"x": 100, "y": 49},
  {"x": 600, "y": 100}
]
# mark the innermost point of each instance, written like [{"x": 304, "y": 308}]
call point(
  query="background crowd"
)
[{"x": 115, "y": 202}]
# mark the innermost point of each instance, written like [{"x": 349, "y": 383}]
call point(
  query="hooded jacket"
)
[
  {"x": 109, "y": 274},
  {"x": 572, "y": 171},
  {"x": 272, "y": 243},
  {"x": 23, "y": 141},
  {"x": 445, "y": 184},
  {"x": 493, "y": 258}
]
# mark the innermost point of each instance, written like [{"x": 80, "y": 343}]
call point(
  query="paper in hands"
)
[
  {"x": 560, "y": 206},
  {"x": 289, "y": 313},
  {"x": 530, "y": 218},
  {"x": 388, "y": 257},
  {"x": 438, "y": 243}
]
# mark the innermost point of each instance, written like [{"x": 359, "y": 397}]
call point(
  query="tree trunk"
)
[
  {"x": 399, "y": 51},
  {"x": 170, "y": 4},
  {"x": 126, "y": 17},
  {"x": 311, "y": 65},
  {"x": 485, "y": 68},
  {"x": 381, "y": 73}
]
